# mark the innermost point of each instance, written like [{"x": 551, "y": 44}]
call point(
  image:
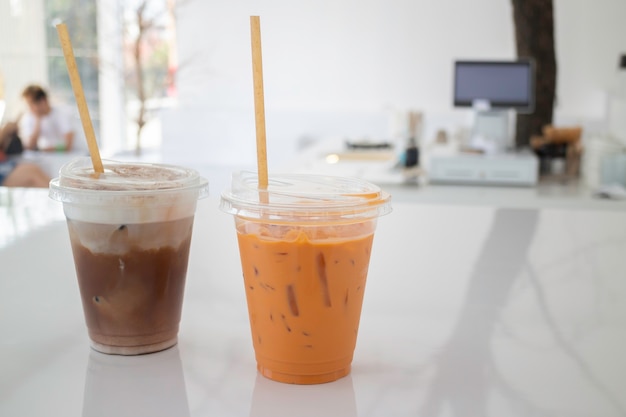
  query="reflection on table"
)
[
  {"x": 145, "y": 385},
  {"x": 284, "y": 400}
]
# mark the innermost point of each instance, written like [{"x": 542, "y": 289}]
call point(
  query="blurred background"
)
[{"x": 171, "y": 80}]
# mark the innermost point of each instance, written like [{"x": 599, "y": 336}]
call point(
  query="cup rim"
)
[
  {"x": 71, "y": 193},
  {"x": 304, "y": 197}
]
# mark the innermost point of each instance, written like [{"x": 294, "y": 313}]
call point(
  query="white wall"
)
[
  {"x": 22, "y": 50},
  {"x": 346, "y": 54},
  {"x": 345, "y": 66},
  {"x": 111, "y": 76},
  {"x": 590, "y": 36}
]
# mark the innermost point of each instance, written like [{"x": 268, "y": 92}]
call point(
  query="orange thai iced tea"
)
[
  {"x": 304, "y": 291},
  {"x": 305, "y": 250}
]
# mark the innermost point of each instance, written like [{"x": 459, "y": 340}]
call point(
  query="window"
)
[{"x": 80, "y": 16}]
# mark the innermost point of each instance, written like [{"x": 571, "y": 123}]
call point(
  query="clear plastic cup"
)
[
  {"x": 130, "y": 230},
  {"x": 305, "y": 245}
]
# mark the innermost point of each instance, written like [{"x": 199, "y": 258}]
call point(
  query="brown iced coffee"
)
[
  {"x": 130, "y": 231},
  {"x": 132, "y": 294}
]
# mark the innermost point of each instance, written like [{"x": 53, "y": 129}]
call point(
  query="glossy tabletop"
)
[{"x": 469, "y": 311}]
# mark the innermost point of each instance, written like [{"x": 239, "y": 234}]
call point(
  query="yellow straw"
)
[
  {"x": 72, "y": 69},
  {"x": 259, "y": 106}
]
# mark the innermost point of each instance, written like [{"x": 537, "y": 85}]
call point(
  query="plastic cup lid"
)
[
  {"x": 304, "y": 198},
  {"x": 78, "y": 183}
]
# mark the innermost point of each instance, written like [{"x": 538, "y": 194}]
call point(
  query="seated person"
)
[
  {"x": 44, "y": 127},
  {"x": 14, "y": 173}
]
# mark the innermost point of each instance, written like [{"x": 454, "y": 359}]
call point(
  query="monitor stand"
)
[{"x": 490, "y": 131}]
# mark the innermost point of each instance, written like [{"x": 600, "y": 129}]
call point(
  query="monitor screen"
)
[{"x": 501, "y": 84}]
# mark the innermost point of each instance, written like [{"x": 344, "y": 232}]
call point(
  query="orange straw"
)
[
  {"x": 259, "y": 106},
  {"x": 72, "y": 69}
]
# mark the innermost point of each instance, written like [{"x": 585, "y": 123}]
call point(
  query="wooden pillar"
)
[{"x": 534, "y": 35}]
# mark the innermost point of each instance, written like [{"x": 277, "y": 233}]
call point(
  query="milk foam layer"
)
[
  {"x": 127, "y": 193},
  {"x": 120, "y": 239},
  {"x": 140, "y": 209}
]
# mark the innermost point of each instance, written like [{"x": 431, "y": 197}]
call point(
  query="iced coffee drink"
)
[
  {"x": 130, "y": 230},
  {"x": 305, "y": 246}
]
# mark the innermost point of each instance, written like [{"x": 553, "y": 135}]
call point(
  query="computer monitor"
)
[
  {"x": 495, "y": 84},
  {"x": 495, "y": 90}
]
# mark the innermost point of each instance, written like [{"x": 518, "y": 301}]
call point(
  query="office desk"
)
[{"x": 469, "y": 311}]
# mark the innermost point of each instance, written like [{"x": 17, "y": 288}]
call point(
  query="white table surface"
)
[{"x": 469, "y": 311}]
